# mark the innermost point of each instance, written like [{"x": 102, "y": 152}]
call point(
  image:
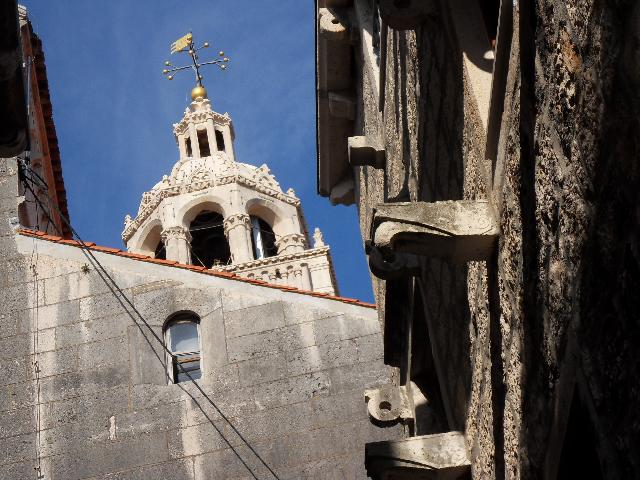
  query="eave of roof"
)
[
  {"x": 52, "y": 137},
  {"x": 171, "y": 263}
]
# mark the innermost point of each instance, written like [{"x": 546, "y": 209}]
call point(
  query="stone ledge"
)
[{"x": 443, "y": 456}]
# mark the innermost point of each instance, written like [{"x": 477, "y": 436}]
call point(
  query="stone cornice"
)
[
  {"x": 151, "y": 199},
  {"x": 200, "y": 116},
  {"x": 275, "y": 260}
]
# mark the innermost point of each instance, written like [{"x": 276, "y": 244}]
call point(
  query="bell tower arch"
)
[{"x": 216, "y": 212}]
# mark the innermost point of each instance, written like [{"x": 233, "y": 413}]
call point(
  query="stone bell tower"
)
[{"x": 215, "y": 212}]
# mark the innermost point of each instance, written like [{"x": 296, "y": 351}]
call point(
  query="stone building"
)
[
  {"x": 140, "y": 364},
  {"x": 42, "y": 146},
  {"x": 492, "y": 151},
  {"x": 214, "y": 211}
]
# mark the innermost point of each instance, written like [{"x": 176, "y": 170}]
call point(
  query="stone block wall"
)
[
  {"x": 285, "y": 371},
  {"x": 543, "y": 332}
]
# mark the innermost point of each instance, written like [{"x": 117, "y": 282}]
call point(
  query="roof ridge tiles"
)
[{"x": 195, "y": 268}]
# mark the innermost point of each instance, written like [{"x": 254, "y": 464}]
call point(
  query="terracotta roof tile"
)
[
  {"x": 195, "y": 268},
  {"x": 99, "y": 248},
  {"x": 138, "y": 256}
]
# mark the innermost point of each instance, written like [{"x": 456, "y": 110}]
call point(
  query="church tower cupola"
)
[
  {"x": 203, "y": 132},
  {"x": 215, "y": 212}
]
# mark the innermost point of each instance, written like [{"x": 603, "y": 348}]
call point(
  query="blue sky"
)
[{"x": 114, "y": 109}]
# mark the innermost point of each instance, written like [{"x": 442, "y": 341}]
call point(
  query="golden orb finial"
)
[{"x": 198, "y": 92}]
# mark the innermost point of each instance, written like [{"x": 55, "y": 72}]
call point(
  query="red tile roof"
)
[{"x": 170, "y": 263}]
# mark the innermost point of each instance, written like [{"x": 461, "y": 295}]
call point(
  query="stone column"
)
[
  {"x": 297, "y": 279},
  {"x": 237, "y": 229},
  {"x": 176, "y": 243},
  {"x": 306, "y": 277},
  {"x": 292, "y": 243},
  {"x": 321, "y": 278},
  {"x": 195, "y": 146},
  {"x": 211, "y": 133},
  {"x": 228, "y": 142},
  {"x": 181, "y": 146}
]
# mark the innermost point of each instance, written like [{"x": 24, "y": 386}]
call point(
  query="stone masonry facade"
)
[
  {"x": 287, "y": 371},
  {"x": 535, "y": 346}
]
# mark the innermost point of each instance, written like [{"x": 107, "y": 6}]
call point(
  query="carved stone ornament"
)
[
  {"x": 334, "y": 24},
  {"x": 292, "y": 240},
  {"x": 442, "y": 456},
  {"x": 318, "y": 239},
  {"x": 391, "y": 265},
  {"x": 462, "y": 230},
  {"x": 362, "y": 152},
  {"x": 233, "y": 221},
  {"x": 175, "y": 232},
  {"x": 388, "y": 404}
]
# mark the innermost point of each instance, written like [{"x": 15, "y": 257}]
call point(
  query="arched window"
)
[
  {"x": 262, "y": 238},
  {"x": 203, "y": 143},
  {"x": 220, "y": 141},
  {"x": 209, "y": 246},
  {"x": 182, "y": 338}
]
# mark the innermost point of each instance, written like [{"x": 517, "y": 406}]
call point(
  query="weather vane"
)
[{"x": 185, "y": 44}]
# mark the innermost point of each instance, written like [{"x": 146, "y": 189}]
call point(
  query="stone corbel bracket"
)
[
  {"x": 462, "y": 230},
  {"x": 388, "y": 404},
  {"x": 362, "y": 152},
  {"x": 442, "y": 456},
  {"x": 406, "y": 14}
]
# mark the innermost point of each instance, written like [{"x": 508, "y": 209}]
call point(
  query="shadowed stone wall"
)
[{"x": 546, "y": 331}]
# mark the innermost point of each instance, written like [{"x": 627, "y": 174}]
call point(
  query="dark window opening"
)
[
  {"x": 209, "y": 246},
  {"x": 203, "y": 142},
  {"x": 182, "y": 338},
  {"x": 160, "y": 252},
  {"x": 579, "y": 458},
  {"x": 490, "y": 13},
  {"x": 220, "y": 141},
  {"x": 263, "y": 239},
  {"x": 187, "y": 147}
]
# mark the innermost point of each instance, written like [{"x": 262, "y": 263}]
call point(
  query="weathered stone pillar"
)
[
  {"x": 292, "y": 243},
  {"x": 297, "y": 279},
  {"x": 306, "y": 277},
  {"x": 182, "y": 146},
  {"x": 228, "y": 142},
  {"x": 211, "y": 134},
  {"x": 321, "y": 278},
  {"x": 177, "y": 244},
  {"x": 193, "y": 135},
  {"x": 237, "y": 229}
]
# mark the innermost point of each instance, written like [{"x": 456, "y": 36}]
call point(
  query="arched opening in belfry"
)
[
  {"x": 187, "y": 146},
  {"x": 263, "y": 239},
  {"x": 203, "y": 143},
  {"x": 220, "y": 141},
  {"x": 209, "y": 246},
  {"x": 152, "y": 244}
]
